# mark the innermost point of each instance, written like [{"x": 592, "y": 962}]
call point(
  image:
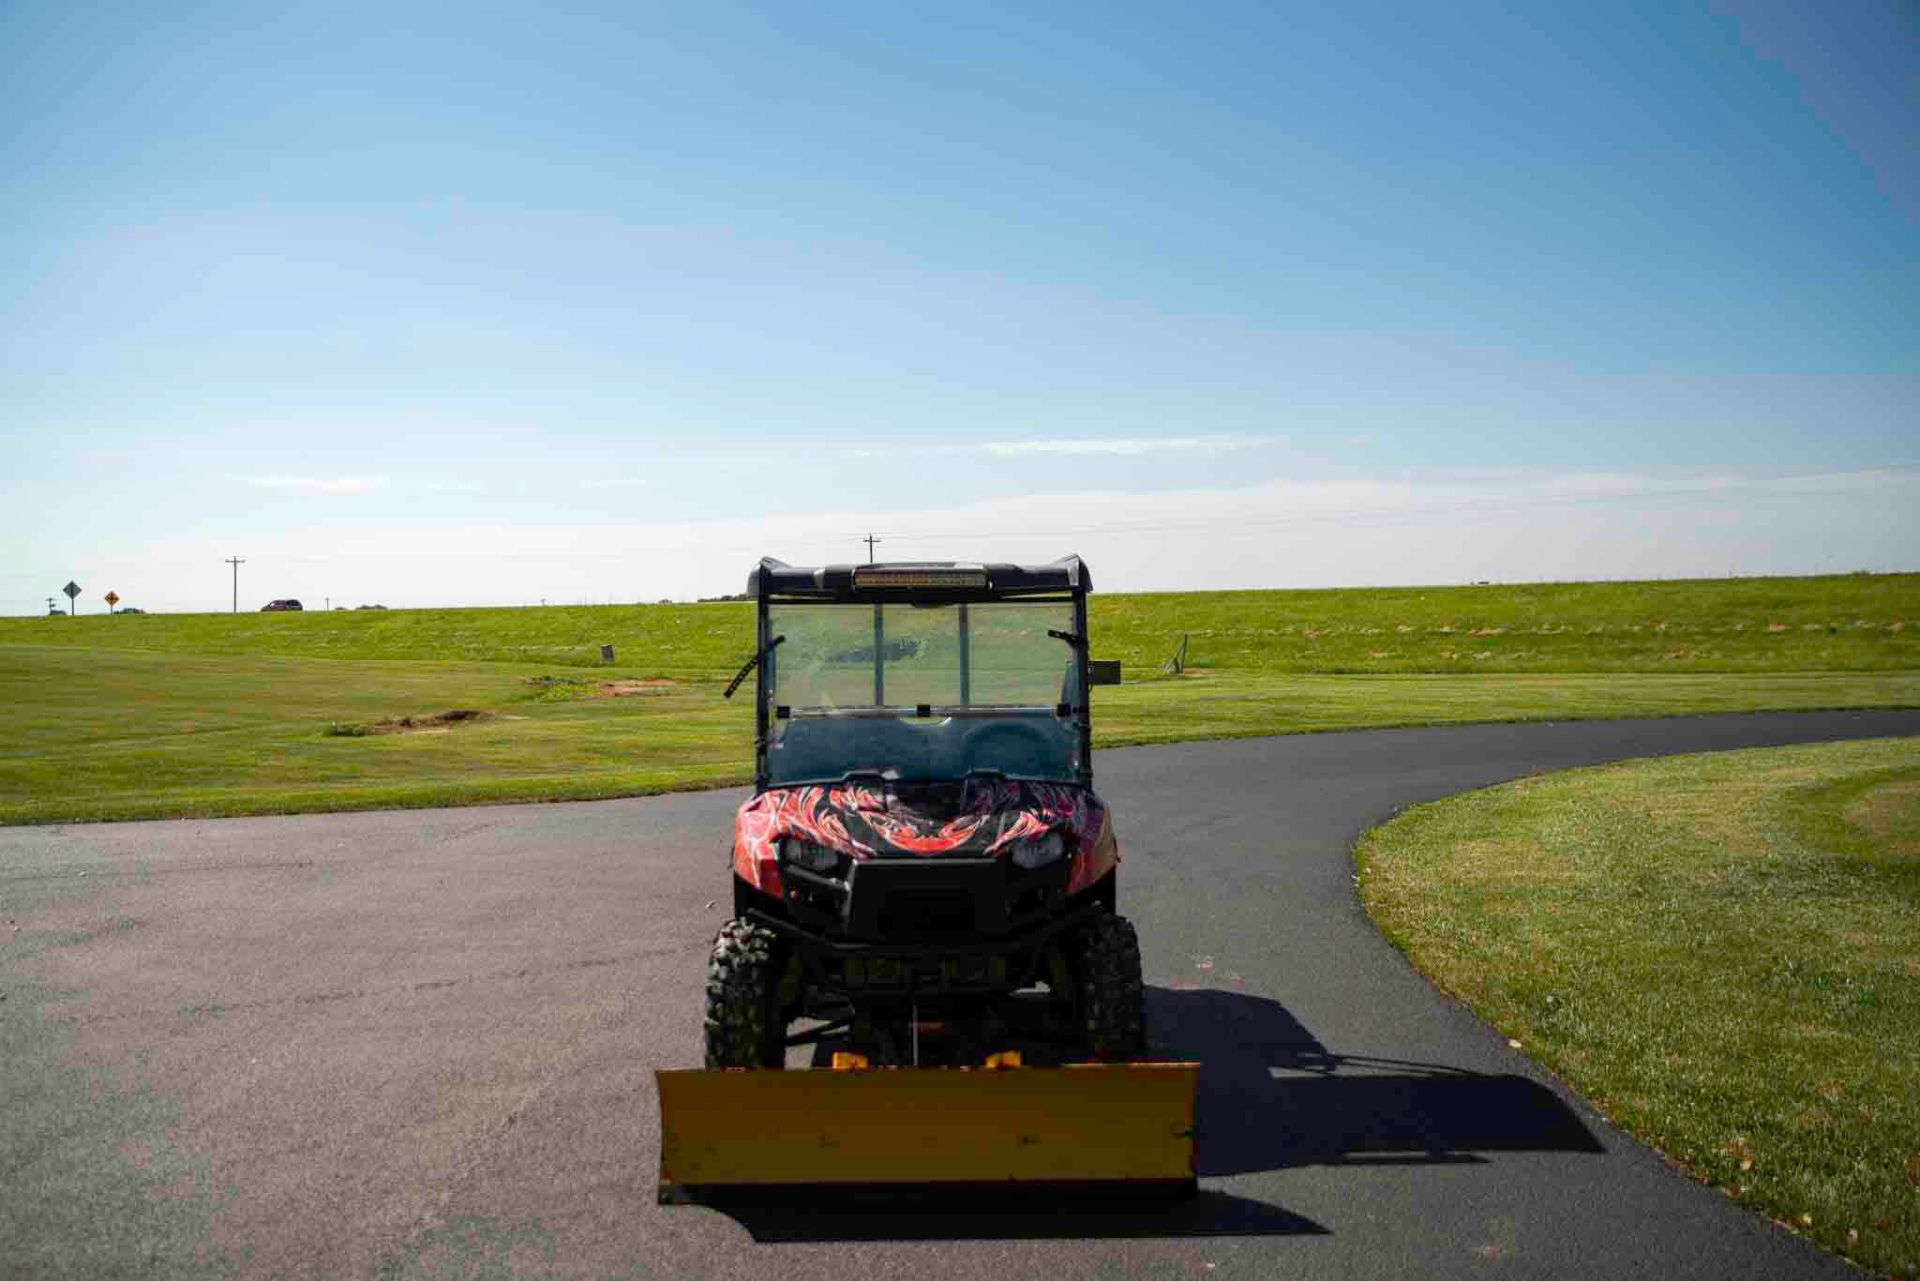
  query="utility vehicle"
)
[
  {"x": 924, "y": 878},
  {"x": 924, "y": 839}
]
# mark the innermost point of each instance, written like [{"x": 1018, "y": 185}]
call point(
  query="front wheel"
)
[
  {"x": 1110, "y": 1007},
  {"x": 744, "y": 1027}
]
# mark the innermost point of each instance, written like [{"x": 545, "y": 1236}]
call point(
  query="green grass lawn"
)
[
  {"x": 1722, "y": 952},
  {"x": 177, "y": 715},
  {"x": 1852, "y": 622}
]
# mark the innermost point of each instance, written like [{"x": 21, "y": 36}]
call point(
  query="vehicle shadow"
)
[
  {"x": 929, "y": 1214},
  {"x": 1272, "y": 1097}
]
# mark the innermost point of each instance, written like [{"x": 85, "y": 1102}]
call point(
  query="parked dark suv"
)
[{"x": 280, "y": 606}]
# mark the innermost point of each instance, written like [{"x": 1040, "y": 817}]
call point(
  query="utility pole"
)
[
  {"x": 236, "y": 562},
  {"x": 870, "y": 540}
]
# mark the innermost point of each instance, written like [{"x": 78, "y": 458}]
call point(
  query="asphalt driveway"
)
[{"x": 421, "y": 1043}]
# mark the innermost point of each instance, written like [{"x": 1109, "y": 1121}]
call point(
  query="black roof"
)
[{"x": 917, "y": 580}]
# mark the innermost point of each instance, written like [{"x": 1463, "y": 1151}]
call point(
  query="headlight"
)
[
  {"x": 815, "y": 858},
  {"x": 1039, "y": 851}
]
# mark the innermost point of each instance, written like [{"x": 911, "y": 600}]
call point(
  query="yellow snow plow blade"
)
[{"x": 1093, "y": 1123}]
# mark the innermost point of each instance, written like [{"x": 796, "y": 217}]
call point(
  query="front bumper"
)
[
  {"x": 924, "y": 900},
  {"x": 929, "y": 926}
]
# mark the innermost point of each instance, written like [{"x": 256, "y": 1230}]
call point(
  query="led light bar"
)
[{"x": 888, "y": 576}]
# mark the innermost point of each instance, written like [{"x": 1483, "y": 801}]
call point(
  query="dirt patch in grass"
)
[
  {"x": 435, "y": 721},
  {"x": 1723, "y": 815},
  {"x": 432, "y": 723},
  {"x": 564, "y": 689},
  {"x": 1891, "y": 813},
  {"x": 626, "y": 689}
]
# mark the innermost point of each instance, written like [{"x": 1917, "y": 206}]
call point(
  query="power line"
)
[
  {"x": 870, "y": 540},
  {"x": 236, "y": 562}
]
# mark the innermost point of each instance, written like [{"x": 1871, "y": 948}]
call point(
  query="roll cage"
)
[{"x": 1065, "y": 581}]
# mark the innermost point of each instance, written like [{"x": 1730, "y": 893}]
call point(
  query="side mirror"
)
[{"x": 1103, "y": 671}]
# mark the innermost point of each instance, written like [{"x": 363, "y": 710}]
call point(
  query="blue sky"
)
[{"x": 436, "y": 303}]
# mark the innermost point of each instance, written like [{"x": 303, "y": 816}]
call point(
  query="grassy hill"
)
[
  {"x": 1841, "y": 623},
  {"x": 150, "y": 715}
]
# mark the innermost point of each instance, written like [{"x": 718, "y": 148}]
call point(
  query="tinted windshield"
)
[{"x": 848, "y": 685}]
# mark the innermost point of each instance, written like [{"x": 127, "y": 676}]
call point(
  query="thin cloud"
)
[
  {"x": 1602, "y": 485},
  {"x": 1126, "y": 446},
  {"x": 1350, "y": 531},
  {"x": 318, "y": 484}
]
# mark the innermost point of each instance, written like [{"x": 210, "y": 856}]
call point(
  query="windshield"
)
[{"x": 922, "y": 691}]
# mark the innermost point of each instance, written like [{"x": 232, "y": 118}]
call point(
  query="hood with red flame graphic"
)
[{"x": 904, "y": 820}]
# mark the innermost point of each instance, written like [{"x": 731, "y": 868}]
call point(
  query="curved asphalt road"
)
[{"x": 422, "y": 1041}]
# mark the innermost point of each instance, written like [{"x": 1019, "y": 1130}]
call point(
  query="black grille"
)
[
  {"x": 930, "y": 898},
  {"x": 907, "y": 914}
]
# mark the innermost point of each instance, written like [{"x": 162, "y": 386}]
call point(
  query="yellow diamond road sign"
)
[{"x": 112, "y": 598}]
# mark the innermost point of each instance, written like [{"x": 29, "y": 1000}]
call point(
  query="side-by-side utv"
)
[{"x": 924, "y": 896}]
